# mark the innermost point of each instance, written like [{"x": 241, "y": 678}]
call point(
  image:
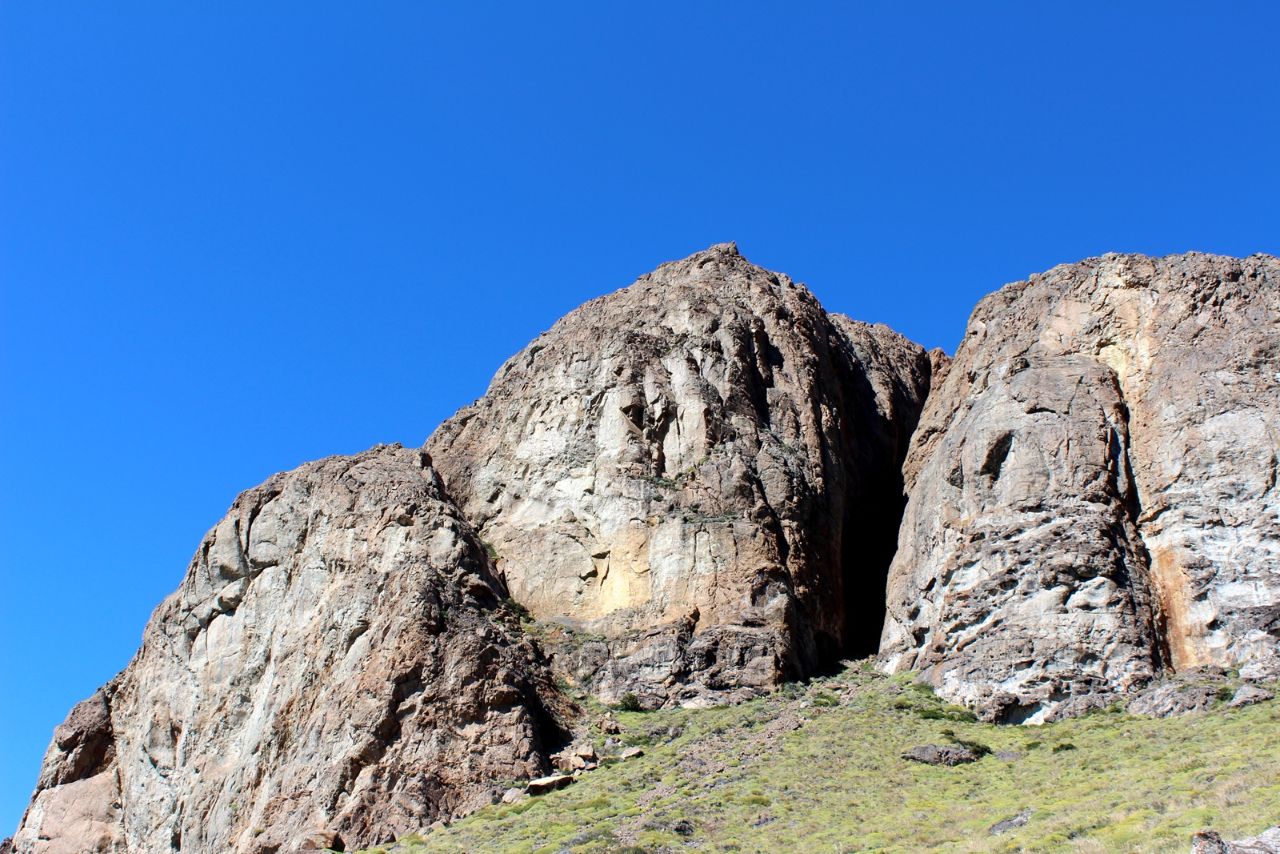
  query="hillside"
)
[{"x": 821, "y": 763}]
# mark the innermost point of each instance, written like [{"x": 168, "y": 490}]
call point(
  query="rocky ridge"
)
[
  {"x": 700, "y": 473},
  {"x": 695, "y": 486}
]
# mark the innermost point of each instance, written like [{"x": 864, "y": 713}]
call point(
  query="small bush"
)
[
  {"x": 1066, "y": 745},
  {"x": 629, "y": 702}
]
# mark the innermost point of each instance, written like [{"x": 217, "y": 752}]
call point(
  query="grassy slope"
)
[{"x": 817, "y": 768}]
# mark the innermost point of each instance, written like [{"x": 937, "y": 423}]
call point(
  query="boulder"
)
[
  {"x": 934, "y": 754},
  {"x": 549, "y": 783},
  {"x": 1211, "y": 842},
  {"x": 1170, "y": 698},
  {"x": 1247, "y": 695}
]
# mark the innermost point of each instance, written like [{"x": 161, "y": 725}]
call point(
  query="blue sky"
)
[{"x": 237, "y": 236}]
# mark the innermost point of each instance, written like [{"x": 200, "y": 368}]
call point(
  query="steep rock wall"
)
[
  {"x": 1092, "y": 489},
  {"x": 701, "y": 471},
  {"x": 336, "y": 665}
]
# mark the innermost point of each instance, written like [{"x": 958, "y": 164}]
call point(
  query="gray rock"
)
[
  {"x": 1170, "y": 698},
  {"x": 1247, "y": 695},
  {"x": 631, "y": 753},
  {"x": 364, "y": 680},
  {"x": 1091, "y": 488},
  {"x": 1011, "y": 823},
  {"x": 701, "y": 472},
  {"x": 934, "y": 754},
  {"x": 1211, "y": 842}
]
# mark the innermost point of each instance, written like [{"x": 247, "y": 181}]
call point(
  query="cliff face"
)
[
  {"x": 336, "y": 665},
  {"x": 1092, "y": 489},
  {"x": 701, "y": 471},
  {"x": 699, "y": 481}
]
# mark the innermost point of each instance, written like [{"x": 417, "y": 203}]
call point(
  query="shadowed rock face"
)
[
  {"x": 700, "y": 470},
  {"x": 335, "y": 662},
  {"x": 1092, "y": 489}
]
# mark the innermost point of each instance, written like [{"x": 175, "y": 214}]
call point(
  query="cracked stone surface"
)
[
  {"x": 700, "y": 471},
  {"x": 1092, "y": 488},
  {"x": 335, "y": 665}
]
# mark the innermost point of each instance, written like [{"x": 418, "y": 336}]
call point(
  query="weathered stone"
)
[
  {"x": 364, "y": 680},
  {"x": 1176, "y": 696},
  {"x": 548, "y": 784},
  {"x": 631, "y": 753},
  {"x": 321, "y": 840},
  {"x": 1247, "y": 695},
  {"x": 1092, "y": 487},
  {"x": 703, "y": 469},
  {"x": 1211, "y": 842},
  {"x": 947, "y": 754},
  {"x": 1011, "y": 823}
]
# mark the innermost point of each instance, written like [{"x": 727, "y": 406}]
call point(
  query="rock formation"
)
[
  {"x": 701, "y": 472},
  {"x": 336, "y": 667},
  {"x": 1092, "y": 488},
  {"x": 696, "y": 484}
]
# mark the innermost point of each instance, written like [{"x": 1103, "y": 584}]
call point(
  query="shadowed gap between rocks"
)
[{"x": 873, "y": 507}]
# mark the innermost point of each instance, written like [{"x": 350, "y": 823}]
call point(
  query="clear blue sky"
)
[{"x": 237, "y": 236}]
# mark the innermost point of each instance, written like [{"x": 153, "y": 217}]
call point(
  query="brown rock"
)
[
  {"x": 338, "y": 655},
  {"x": 550, "y": 783},
  {"x": 933, "y": 754},
  {"x": 700, "y": 469},
  {"x": 321, "y": 840},
  {"x": 1091, "y": 489}
]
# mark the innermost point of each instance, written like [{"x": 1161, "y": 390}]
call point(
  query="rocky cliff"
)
[
  {"x": 701, "y": 472},
  {"x": 696, "y": 486},
  {"x": 336, "y": 667},
  {"x": 1093, "y": 488}
]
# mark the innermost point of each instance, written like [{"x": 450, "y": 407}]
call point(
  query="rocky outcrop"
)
[
  {"x": 699, "y": 473},
  {"x": 337, "y": 667},
  {"x": 1211, "y": 842},
  {"x": 1092, "y": 488}
]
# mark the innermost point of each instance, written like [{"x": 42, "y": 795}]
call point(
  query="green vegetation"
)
[
  {"x": 629, "y": 703},
  {"x": 817, "y": 768}
]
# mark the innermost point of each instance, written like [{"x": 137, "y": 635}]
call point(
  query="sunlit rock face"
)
[
  {"x": 1092, "y": 488},
  {"x": 336, "y": 665},
  {"x": 700, "y": 472}
]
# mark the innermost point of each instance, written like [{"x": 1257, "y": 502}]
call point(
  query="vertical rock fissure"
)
[
  {"x": 873, "y": 513},
  {"x": 1149, "y": 597}
]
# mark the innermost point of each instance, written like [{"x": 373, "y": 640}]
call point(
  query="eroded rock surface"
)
[
  {"x": 1092, "y": 488},
  {"x": 700, "y": 473},
  {"x": 337, "y": 665},
  {"x": 1211, "y": 842}
]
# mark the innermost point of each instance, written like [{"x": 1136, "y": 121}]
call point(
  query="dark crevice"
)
[
  {"x": 996, "y": 455},
  {"x": 1143, "y": 590},
  {"x": 874, "y": 500}
]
